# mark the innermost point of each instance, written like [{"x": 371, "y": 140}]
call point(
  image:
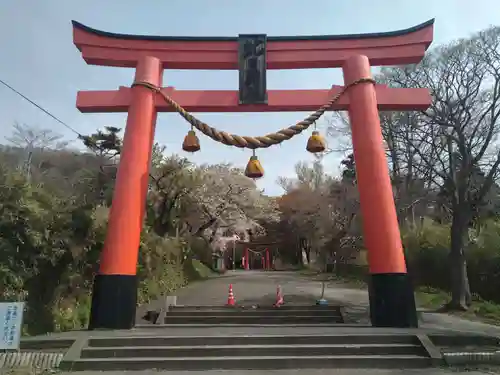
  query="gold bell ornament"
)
[
  {"x": 191, "y": 142},
  {"x": 316, "y": 143},
  {"x": 254, "y": 168}
]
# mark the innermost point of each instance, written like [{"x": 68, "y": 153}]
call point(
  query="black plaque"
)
[{"x": 252, "y": 66}]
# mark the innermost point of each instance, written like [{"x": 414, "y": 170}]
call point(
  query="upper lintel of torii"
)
[{"x": 400, "y": 47}]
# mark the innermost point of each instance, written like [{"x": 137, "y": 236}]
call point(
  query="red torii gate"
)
[
  {"x": 267, "y": 258},
  {"x": 115, "y": 287}
]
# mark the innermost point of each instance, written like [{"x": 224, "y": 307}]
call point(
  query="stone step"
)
[
  {"x": 244, "y": 363},
  {"x": 242, "y": 325},
  {"x": 251, "y": 351},
  {"x": 250, "y": 307},
  {"x": 251, "y": 319},
  {"x": 351, "y": 339},
  {"x": 275, "y": 312}
]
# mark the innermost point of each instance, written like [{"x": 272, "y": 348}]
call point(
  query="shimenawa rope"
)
[{"x": 247, "y": 141}]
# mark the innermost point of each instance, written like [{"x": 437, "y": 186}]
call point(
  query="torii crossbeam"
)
[
  {"x": 388, "y": 99},
  {"x": 115, "y": 287}
]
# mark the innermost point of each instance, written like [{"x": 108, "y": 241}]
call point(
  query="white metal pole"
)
[{"x": 234, "y": 255}]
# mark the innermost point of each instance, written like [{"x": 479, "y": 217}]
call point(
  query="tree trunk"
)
[{"x": 460, "y": 289}]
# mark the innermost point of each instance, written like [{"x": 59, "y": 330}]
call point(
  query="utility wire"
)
[
  {"x": 40, "y": 108},
  {"x": 43, "y": 110},
  {"x": 80, "y": 136}
]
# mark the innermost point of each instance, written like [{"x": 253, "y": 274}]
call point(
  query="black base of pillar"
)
[
  {"x": 114, "y": 300},
  {"x": 392, "y": 302}
]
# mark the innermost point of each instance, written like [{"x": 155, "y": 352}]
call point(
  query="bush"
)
[
  {"x": 427, "y": 251},
  {"x": 195, "y": 270},
  {"x": 483, "y": 263},
  {"x": 160, "y": 267},
  {"x": 161, "y": 270},
  {"x": 201, "y": 251},
  {"x": 72, "y": 314}
]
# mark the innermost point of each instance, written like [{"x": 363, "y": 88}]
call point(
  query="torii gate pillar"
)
[
  {"x": 392, "y": 302},
  {"x": 114, "y": 294}
]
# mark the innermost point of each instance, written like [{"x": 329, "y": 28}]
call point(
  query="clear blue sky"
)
[{"x": 37, "y": 56}]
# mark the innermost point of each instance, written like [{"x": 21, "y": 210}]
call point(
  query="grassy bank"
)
[{"x": 426, "y": 297}]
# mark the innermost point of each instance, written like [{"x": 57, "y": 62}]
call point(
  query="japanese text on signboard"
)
[{"x": 10, "y": 323}]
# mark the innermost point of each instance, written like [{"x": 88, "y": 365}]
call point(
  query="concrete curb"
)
[{"x": 472, "y": 358}]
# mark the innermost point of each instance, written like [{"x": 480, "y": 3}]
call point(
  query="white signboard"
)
[{"x": 11, "y": 321}]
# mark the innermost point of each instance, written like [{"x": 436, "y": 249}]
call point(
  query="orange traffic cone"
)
[
  {"x": 279, "y": 297},
  {"x": 230, "y": 299}
]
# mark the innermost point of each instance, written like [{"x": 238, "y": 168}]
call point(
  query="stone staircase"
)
[
  {"x": 254, "y": 337},
  {"x": 250, "y": 352},
  {"x": 253, "y": 315},
  {"x": 264, "y": 348}
]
